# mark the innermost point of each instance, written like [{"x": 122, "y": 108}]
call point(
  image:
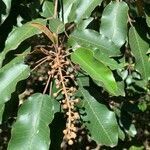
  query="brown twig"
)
[
  {"x": 55, "y": 9},
  {"x": 39, "y": 64},
  {"x": 48, "y": 81}
]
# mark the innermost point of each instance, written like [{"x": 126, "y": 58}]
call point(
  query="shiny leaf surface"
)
[
  {"x": 47, "y": 9},
  {"x": 67, "y": 8},
  {"x": 18, "y": 35},
  {"x": 74, "y": 10},
  {"x": 92, "y": 39},
  {"x": 10, "y": 75},
  {"x": 148, "y": 20},
  {"x": 99, "y": 120},
  {"x": 97, "y": 70},
  {"x": 6, "y": 12},
  {"x": 110, "y": 62},
  {"x": 31, "y": 130},
  {"x": 139, "y": 49},
  {"x": 56, "y": 26},
  {"x": 82, "y": 9},
  {"x": 114, "y": 22}
]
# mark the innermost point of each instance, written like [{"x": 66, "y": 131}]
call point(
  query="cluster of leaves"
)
[{"x": 110, "y": 48}]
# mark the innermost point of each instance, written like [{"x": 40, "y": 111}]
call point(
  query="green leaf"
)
[
  {"x": 148, "y": 20},
  {"x": 31, "y": 130},
  {"x": 142, "y": 105},
  {"x": 75, "y": 11},
  {"x": 99, "y": 120},
  {"x": 56, "y": 26},
  {"x": 7, "y": 10},
  {"x": 139, "y": 47},
  {"x": 121, "y": 134},
  {"x": 66, "y": 9},
  {"x": 132, "y": 130},
  {"x": 83, "y": 24},
  {"x": 92, "y": 39},
  {"x": 97, "y": 70},
  {"x": 114, "y": 22},
  {"x": 2, "y": 106},
  {"x": 82, "y": 9},
  {"x": 136, "y": 147},
  {"x": 18, "y": 35},
  {"x": 110, "y": 62},
  {"x": 10, "y": 75},
  {"x": 47, "y": 9}
]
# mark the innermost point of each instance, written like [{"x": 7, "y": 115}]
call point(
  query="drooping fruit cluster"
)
[{"x": 61, "y": 74}]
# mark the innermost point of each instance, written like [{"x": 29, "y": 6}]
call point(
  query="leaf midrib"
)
[
  {"x": 114, "y": 22},
  {"x": 102, "y": 79},
  {"x": 140, "y": 52},
  {"x": 49, "y": 10},
  {"x": 19, "y": 39},
  {"x": 107, "y": 134},
  {"x": 36, "y": 124},
  {"x": 91, "y": 43},
  {"x": 85, "y": 12}
]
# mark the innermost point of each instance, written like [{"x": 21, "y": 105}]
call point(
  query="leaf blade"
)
[
  {"x": 114, "y": 22},
  {"x": 148, "y": 20},
  {"x": 18, "y": 35},
  {"x": 56, "y": 26},
  {"x": 139, "y": 49},
  {"x": 10, "y": 75},
  {"x": 97, "y": 70},
  {"x": 31, "y": 129},
  {"x": 82, "y": 9},
  {"x": 47, "y": 9},
  {"x": 92, "y": 39},
  {"x": 101, "y": 119},
  {"x": 7, "y": 11}
]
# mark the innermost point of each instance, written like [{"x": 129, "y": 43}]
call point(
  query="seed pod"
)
[
  {"x": 65, "y": 131},
  {"x": 52, "y": 71},
  {"x": 68, "y": 136},
  {"x": 70, "y": 142},
  {"x": 76, "y": 100},
  {"x": 56, "y": 76},
  {"x": 66, "y": 80},
  {"x": 55, "y": 94},
  {"x": 72, "y": 119},
  {"x": 57, "y": 86},
  {"x": 76, "y": 115},
  {"x": 59, "y": 48},
  {"x": 73, "y": 135},
  {"x": 50, "y": 63},
  {"x": 40, "y": 78},
  {"x": 74, "y": 129},
  {"x": 62, "y": 92},
  {"x": 71, "y": 89},
  {"x": 63, "y": 101},
  {"x": 67, "y": 113},
  {"x": 72, "y": 76},
  {"x": 67, "y": 62},
  {"x": 65, "y": 106},
  {"x": 48, "y": 57}
]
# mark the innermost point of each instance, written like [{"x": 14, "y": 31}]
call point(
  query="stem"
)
[
  {"x": 55, "y": 9},
  {"x": 130, "y": 20},
  {"x": 40, "y": 60},
  {"x": 55, "y": 16},
  {"x": 39, "y": 64},
  {"x": 50, "y": 87},
  {"x": 66, "y": 95},
  {"x": 45, "y": 89},
  {"x": 43, "y": 50},
  {"x": 64, "y": 89}
]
